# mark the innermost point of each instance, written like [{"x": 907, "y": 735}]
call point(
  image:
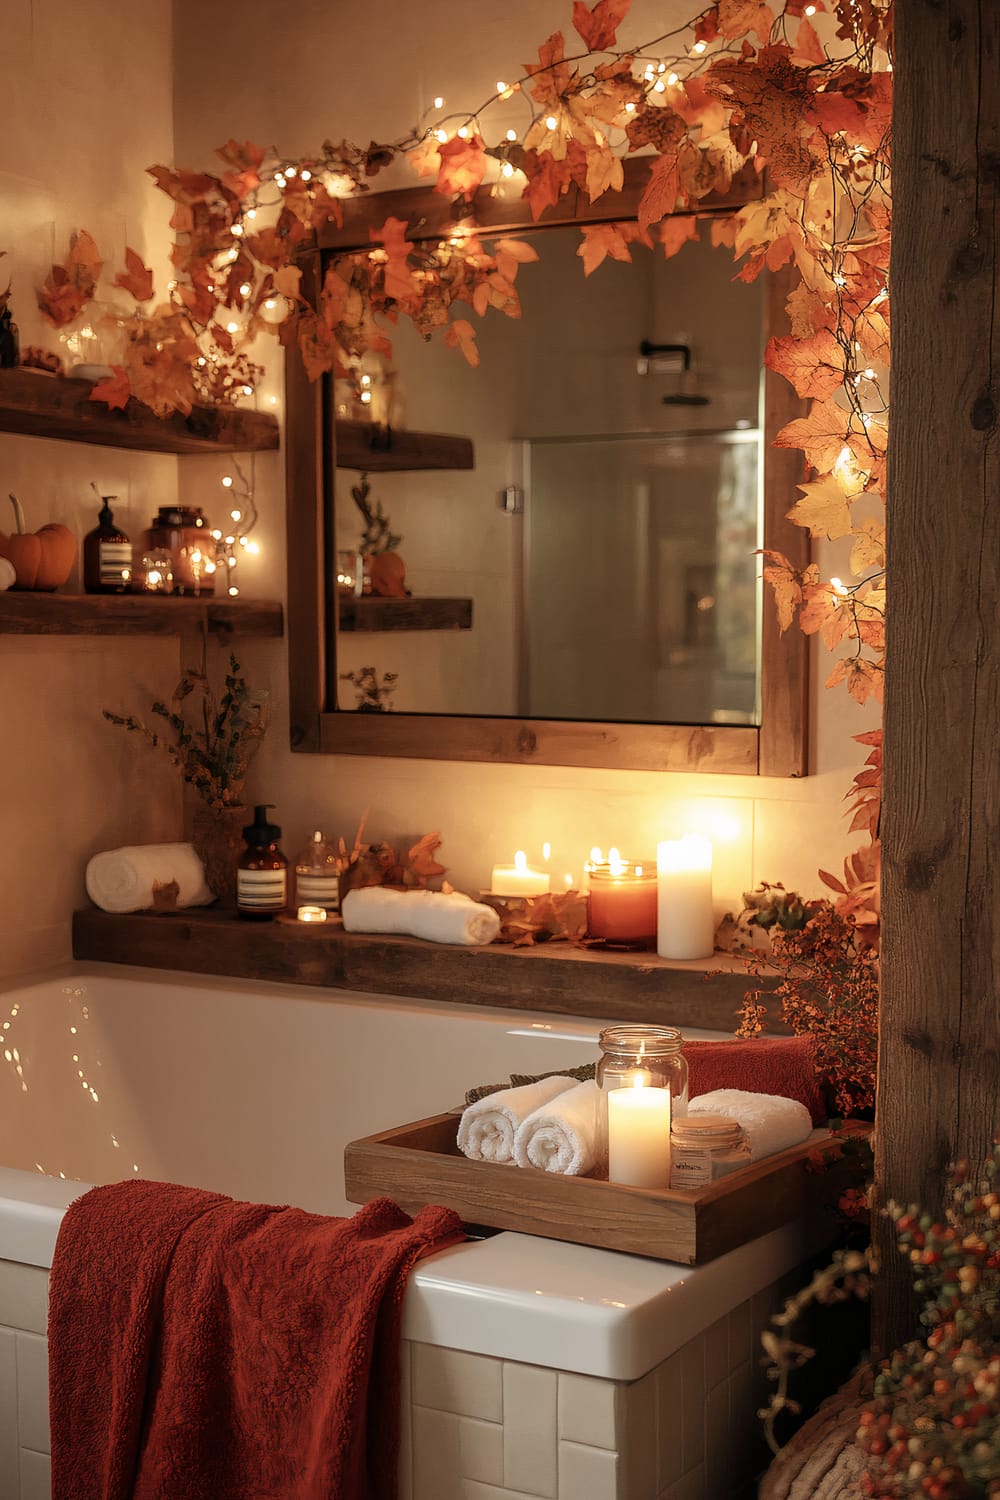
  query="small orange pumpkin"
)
[
  {"x": 387, "y": 571},
  {"x": 41, "y": 559}
]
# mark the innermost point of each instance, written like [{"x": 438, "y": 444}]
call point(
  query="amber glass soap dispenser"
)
[
  {"x": 262, "y": 873},
  {"x": 107, "y": 554}
]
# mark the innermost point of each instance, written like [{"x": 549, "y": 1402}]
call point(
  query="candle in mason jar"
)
[
  {"x": 685, "y": 921},
  {"x": 519, "y": 879},
  {"x": 639, "y": 1135}
]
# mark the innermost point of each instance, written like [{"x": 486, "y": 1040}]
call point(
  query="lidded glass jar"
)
[
  {"x": 650, "y": 1056},
  {"x": 704, "y": 1147}
]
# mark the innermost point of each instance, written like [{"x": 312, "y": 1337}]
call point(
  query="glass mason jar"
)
[
  {"x": 184, "y": 533},
  {"x": 628, "y": 1052}
]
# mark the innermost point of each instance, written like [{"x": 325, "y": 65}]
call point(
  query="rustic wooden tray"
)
[{"x": 420, "y": 1163}]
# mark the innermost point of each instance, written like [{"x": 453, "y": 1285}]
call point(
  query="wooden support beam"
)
[{"x": 939, "y": 1078}]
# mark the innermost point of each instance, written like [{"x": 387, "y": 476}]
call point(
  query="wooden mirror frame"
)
[{"x": 776, "y": 747}]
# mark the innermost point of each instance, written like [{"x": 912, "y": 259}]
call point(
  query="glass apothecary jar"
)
[{"x": 185, "y": 535}]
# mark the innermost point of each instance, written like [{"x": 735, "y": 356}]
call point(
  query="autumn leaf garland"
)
[{"x": 746, "y": 87}]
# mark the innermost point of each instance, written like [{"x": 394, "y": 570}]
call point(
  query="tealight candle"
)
[
  {"x": 311, "y": 914},
  {"x": 685, "y": 924},
  {"x": 639, "y": 1135},
  {"x": 519, "y": 879}
]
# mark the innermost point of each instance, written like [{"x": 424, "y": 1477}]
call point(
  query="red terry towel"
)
[
  {"x": 203, "y": 1349},
  {"x": 782, "y": 1065}
]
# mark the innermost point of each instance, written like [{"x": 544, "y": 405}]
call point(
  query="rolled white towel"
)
[
  {"x": 771, "y": 1122},
  {"x": 563, "y": 1135},
  {"x": 438, "y": 916},
  {"x": 122, "y": 879},
  {"x": 487, "y": 1128}
]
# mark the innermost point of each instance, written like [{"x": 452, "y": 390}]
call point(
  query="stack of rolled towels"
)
[{"x": 554, "y": 1124}]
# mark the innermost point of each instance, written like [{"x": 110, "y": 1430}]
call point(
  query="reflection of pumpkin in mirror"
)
[
  {"x": 41, "y": 559},
  {"x": 387, "y": 572}
]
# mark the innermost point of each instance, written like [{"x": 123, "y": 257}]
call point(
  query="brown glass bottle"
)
[
  {"x": 262, "y": 872},
  {"x": 107, "y": 554}
]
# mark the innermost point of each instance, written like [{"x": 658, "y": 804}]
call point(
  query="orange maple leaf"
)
[
  {"x": 461, "y": 335},
  {"x": 675, "y": 231},
  {"x": 740, "y": 17},
  {"x": 243, "y": 160},
  {"x": 136, "y": 278},
  {"x": 822, "y": 435},
  {"x": 823, "y": 508},
  {"x": 598, "y": 26},
  {"x": 398, "y": 277},
  {"x": 115, "y": 389},
  {"x": 69, "y": 288},
  {"x": 808, "y": 47},
  {"x": 662, "y": 189},
  {"x": 551, "y": 71},
  {"x": 786, "y": 582},
  {"x": 463, "y": 166},
  {"x": 513, "y": 253},
  {"x": 813, "y": 365},
  {"x": 547, "y": 180},
  {"x": 421, "y": 856},
  {"x": 864, "y": 678},
  {"x": 601, "y": 240}
]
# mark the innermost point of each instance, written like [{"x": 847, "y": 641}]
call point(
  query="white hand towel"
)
[
  {"x": 771, "y": 1122},
  {"x": 487, "y": 1128},
  {"x": 435, "y": 915},
  {"x": 564, "y": 1135},
  {"x": 122, "y": 879}
]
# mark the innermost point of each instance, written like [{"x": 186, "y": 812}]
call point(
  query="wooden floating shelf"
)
[
  {"x": 382, "y": 450},
  {"x": 371, "y": 613},
  {"x": 53, "y": 406},
  {"x": 420, "y": 1163},
  {"x": 134, "y": 614},
  {"x": 550, "y": 977}
]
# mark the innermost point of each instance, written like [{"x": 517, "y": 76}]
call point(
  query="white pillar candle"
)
[
  {"x": 685, "y": 921},
  {"x": 639, "y": 1136},
  {"x": 518, "y": 879}
]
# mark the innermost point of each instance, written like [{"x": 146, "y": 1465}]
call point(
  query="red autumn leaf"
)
[
  {"x": 675, "y": 231},
  {"x": 822, "y": 435},
  {"x": 461, "y": 335},
  {"x": 696, "y": 106},
  {"x": 598, "y": 26},
  {"x": 316, "y": 344},
  {"x": 813, "y": 365},
  {"x": 67, "y": 289},
  {"x": 463, "y": 166},
  {"x": 547, "y": 180},
  {"x": 707, "y": 29},
  {"x": 551, "y": 71},
  {"x": 662, "y": 189},
  {"x": 243, "y": 160},
  {"x": 136, "y": 278},
  {"x": 188, "y": 187},
  {"x": 114, "y": 390}
]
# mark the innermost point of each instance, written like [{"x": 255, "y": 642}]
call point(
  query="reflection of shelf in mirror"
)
[
  {"x": 366, "y": 445},
  {"x": 54, "y": 406},
  {"x": 371, "y": 613}
]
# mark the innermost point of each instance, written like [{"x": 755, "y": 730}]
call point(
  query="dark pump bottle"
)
[
  {"x": 262, "y": 873},
  {"x": 107, "y": 555}
]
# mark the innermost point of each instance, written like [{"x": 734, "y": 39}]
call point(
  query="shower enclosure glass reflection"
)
[{"x": 640, "y": 591}]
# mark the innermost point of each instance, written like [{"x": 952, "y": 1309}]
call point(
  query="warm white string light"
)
[{"x": 235, "y": 539}]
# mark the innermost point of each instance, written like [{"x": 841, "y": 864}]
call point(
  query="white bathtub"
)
[{"x": 253, "y": 1089}]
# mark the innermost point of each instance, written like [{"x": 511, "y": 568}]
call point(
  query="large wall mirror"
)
[{"x": 580, "y": 516}]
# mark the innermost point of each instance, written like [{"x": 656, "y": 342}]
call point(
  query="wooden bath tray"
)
[{"x": 421, "y": 1163}]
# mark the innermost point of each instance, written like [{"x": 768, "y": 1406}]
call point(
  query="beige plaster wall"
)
[
  {"x": 367, "y": 73},
  {"x": 87, "y": 106}
]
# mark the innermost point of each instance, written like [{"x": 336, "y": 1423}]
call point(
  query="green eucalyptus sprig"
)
[{"x": 213, "y": 755}]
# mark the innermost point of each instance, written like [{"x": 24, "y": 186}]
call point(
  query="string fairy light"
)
[{"x": 230, "y": 544}]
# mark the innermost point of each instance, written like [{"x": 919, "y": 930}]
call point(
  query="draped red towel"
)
[
  {"x": 782, "y": 1065},
  {"x": 204, "y": 1349}
]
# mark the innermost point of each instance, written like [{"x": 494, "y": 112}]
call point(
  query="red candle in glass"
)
[{"x": 622, "y": 902}]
